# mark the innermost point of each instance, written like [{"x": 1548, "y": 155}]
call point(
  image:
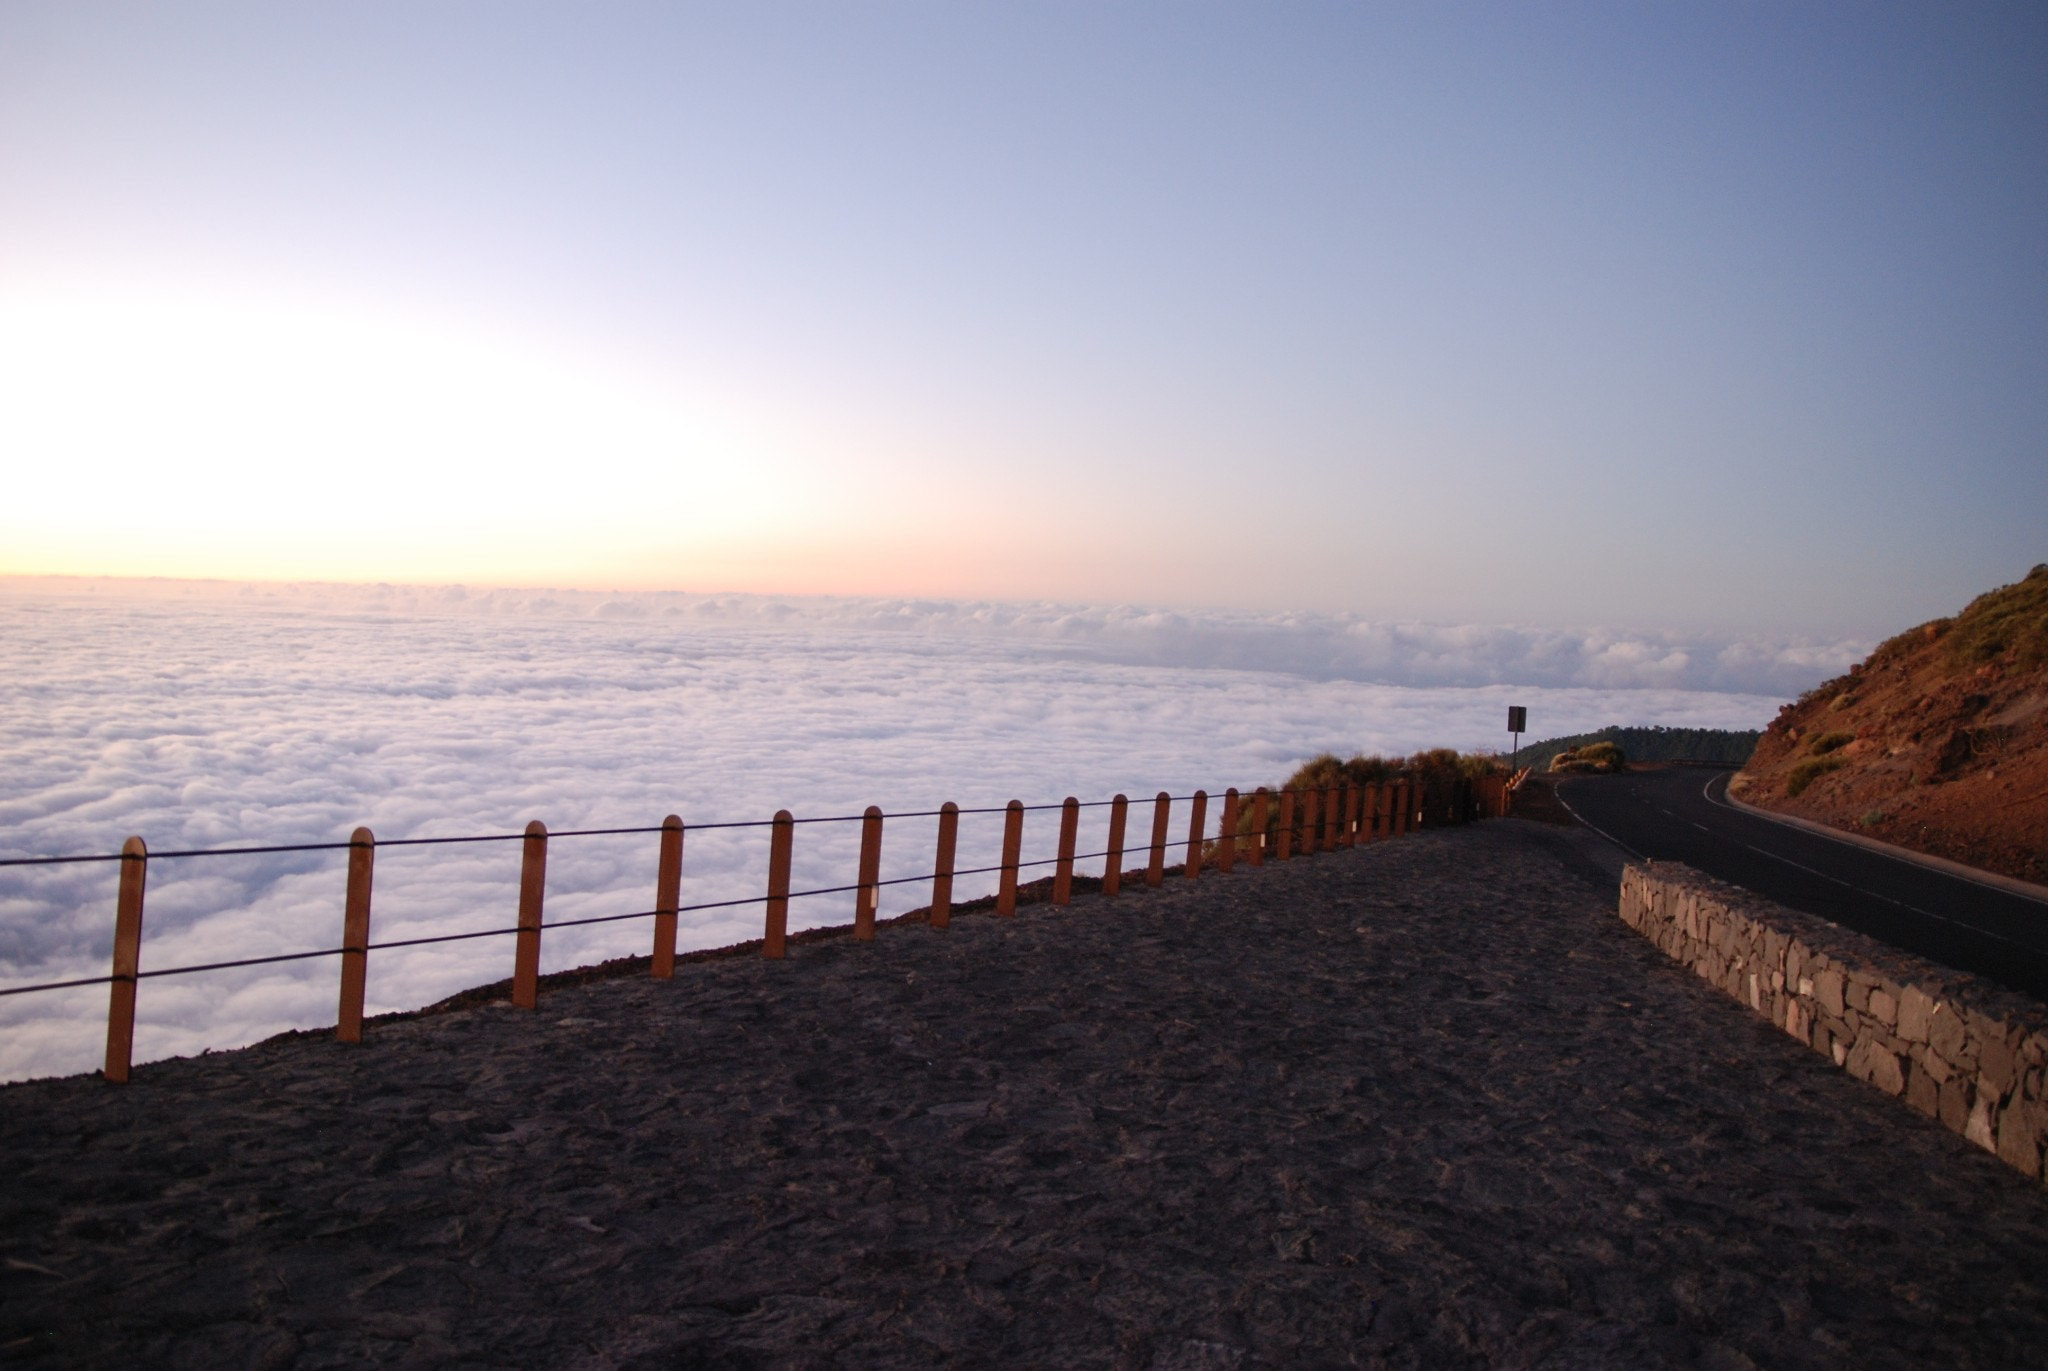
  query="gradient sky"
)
[{"x": 1675, "y": 316}]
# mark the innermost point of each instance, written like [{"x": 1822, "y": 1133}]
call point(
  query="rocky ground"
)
[
  {"x": 1938, "y": 741},
  {"x": 1424, "y": 1104}
]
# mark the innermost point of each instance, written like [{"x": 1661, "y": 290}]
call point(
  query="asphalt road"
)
[{"x": 1681, "y": 814}]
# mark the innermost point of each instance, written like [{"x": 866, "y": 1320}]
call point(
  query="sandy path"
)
[{"x": 1425, "y": 1104}]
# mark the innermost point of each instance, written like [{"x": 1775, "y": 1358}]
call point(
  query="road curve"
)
[{"x": 1682, "y": 814}]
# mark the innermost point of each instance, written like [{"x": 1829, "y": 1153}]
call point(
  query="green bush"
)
[
  {"x": 1804, "y": 774},
  {"x": 1829, "y": 742}
]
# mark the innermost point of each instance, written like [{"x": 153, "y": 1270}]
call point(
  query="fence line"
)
[{"x": 1329, "y": 818}]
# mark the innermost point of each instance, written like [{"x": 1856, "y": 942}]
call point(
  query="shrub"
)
[
  {"x": 2011, "y": 619},
  {"x": 1433, "y": 770},
  {"x": 1822, "y": 745},
  {"x": 1600, "y": 757},
  {"x": 1803, "y": 775}
]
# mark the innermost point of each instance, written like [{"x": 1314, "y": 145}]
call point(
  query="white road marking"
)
[
  {"x": 1559, "y": 792},
  {"x": 1706, "y": 790},
  {"x": 1707, "y": 793}
]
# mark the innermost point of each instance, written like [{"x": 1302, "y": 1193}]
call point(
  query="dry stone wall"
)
[{"x": 1954, "y": 1047}]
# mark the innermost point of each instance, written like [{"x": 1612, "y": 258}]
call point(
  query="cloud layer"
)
[
  {"x": 1318, "y": 646},
  {"x": 209, "y": 715}
]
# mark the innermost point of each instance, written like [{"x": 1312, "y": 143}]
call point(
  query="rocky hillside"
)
[{"x": 1938, "y": 741}]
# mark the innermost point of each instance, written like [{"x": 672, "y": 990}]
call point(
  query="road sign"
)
[{"x": 1518, "y": 723}]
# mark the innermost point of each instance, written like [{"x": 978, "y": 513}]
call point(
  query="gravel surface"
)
[{"x": 1426, "y": 1103}]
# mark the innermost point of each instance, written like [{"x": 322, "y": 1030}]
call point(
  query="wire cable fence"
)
[{"x": 1263, "y": 826}]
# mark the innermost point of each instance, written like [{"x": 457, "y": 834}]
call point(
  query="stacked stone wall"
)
[{"x": 1956, "y": 1048}]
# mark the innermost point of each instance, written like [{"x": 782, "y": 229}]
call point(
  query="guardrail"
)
[{"x": 1299, "y": 823}]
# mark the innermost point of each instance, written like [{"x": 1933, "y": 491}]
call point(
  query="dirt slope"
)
[{"x": 1938, "y": 741}]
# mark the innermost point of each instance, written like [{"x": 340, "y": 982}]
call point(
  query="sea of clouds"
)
[{"x": 209, "y": 714}]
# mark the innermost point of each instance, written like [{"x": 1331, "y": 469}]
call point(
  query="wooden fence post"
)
[
  {"x": 868, "y": 894},
  {"x": 1311, "y": 821},
  {"x": 1198, "y": 818},
  {"x": 1013, "y": 848},
  {"x": 1162, "y": 812},
  {"x": 668, "y": 896},
  {"x": 942, "y": 867},
  {"x": 1113, "y": 868},
  {"x": 355, "y": 936},
  {"x": 1262, "y": 816},
  {"x": 1351, "y": 816},
  {"x": 776, "y": 934},
  {"x": 1285, "y": 850},
  {"x": 1063, "y": 872},
  {"x": 1226, "y": 843},
  {"x": 127, "y": 960},
  {"x": 533, "y": 881}
]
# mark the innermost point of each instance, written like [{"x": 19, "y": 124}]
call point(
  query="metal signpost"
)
[{"x": 1518, "y": 723}]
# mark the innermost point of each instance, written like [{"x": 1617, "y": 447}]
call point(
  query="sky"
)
[{"x": 1725, "y": 319}]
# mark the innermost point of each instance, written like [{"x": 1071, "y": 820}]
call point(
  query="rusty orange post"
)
[
  {"x": 1285, "y": 850},
  {"x": 1351, "y": 816},
  {"x": 668, "y": 896},
  {"x": 1262, "y": 817},
  {"x": 1113, "y": 867},
  {"x": 355, "y": 936},
  {"x": 1155, "y": 862},
  {"x": 867, "y": 895},
  {"x": 775, "y": 935},
  {"x": 533, "y": 882},
  {"x": 942, "y": 867},
  {"x": 1197, "y": 819},
  {"x": 127, "y": 959},
  {"x": 1063, "y": 871},
  {"x": 1013, "y": 848},
  {"x": 1226, "y": 841}
]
